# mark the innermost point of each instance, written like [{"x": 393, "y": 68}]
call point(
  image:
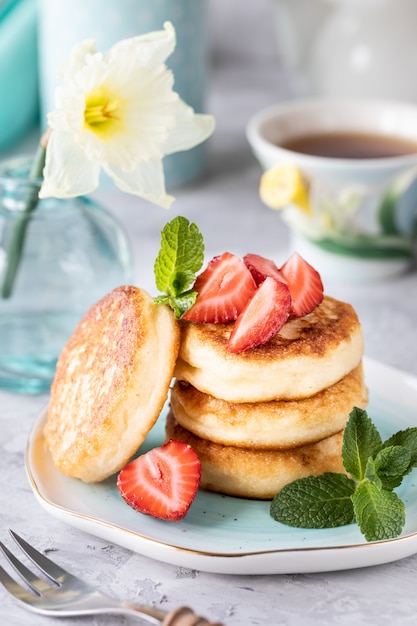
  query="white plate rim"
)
[{"x": 289, "y": 560}]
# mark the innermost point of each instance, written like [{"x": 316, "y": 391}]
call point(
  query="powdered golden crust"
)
[
  {"x": 306, "y": 356},
  {"x": 257, "y": 473},
  {"x": 272, "y": 425},
  {"x": 111, "y": 382}
]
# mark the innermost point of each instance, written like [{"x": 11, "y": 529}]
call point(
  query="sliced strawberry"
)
[
  {"x": 264, "y": 316},
  {"x": 304, "y": 283},
  {"x": 260, "y": 268},
  {"x": 163, "y": 482},
  {"x": 224, "y": 288}
]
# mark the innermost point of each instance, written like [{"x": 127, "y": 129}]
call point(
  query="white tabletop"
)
[{"x": 226, "y": 207}]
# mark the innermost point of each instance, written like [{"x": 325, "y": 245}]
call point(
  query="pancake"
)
[
  {"x": 257, "y": 474},
  {"x": 111, "y": 382},
  {"x": 277, "y": 424},
  {"x": 308, "y": 354}
]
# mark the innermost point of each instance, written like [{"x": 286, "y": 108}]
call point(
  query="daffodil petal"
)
[
  {"x": 77, "y": 58},
  {"x": 119, "y": 112},
  {"x": 149, "y": 49},
  {"x": 191, "y": 129},
  {"x": 147, "y": 181},
  {"x": 67, "y": 171}
]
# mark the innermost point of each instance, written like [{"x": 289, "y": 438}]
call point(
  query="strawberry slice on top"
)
[
  {"x": 262, "y": 318},
  {"x": 304, "y": 283},
  {"x": 163, "y": 482},
  {"x": 223, "y": 288},
  {"x": 260, "y": 268}
]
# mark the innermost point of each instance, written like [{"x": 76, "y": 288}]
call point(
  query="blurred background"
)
[
  {"x": 295, "y": 47},
  {"x": 234, "y": 57},
  {"x": 37, "y": 35}
]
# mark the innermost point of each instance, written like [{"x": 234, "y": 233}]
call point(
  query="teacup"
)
[{"x": 360, "y": 207}]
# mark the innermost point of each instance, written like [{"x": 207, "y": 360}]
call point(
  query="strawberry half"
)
[
  {"x": 223, "y": 288},
  {"x": 304, "y": 283},
  {"x": 163, "y": 482},
  {"x": 264, "y": 316},
  {"x": 260, "y": 268}
]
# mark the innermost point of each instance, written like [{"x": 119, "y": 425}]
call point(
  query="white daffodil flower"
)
[{"x": 118, "y": 111}]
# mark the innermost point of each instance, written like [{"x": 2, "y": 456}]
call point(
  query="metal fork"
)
[{"x": 66, "y": 595}]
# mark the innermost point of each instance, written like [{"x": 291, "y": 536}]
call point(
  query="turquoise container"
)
[
  {"x": 19, "y": 102},
  {"x": 64, "y": 23}
]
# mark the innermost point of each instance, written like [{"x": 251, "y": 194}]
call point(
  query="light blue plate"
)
[{"x": 229, "y": 535}]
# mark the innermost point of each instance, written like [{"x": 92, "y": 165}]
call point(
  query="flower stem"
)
[{"x": 17, "y": 240}]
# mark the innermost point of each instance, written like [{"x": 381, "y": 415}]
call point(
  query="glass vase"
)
[{"x": 73, "y": 253}]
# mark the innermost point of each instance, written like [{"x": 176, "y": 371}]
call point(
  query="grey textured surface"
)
[{"x": 225, "y": 205}]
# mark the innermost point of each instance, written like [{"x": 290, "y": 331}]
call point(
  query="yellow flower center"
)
[{"x": 102, "y": 112}]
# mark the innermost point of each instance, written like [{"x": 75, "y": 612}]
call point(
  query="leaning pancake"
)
[
  {"x": 306, "y": 356},
  {"x": 276, "y": 424},
  {"x": 257, "y": 473},
  {"x": 111, "y": 382}
]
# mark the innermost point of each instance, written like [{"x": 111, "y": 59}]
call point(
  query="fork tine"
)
[
  {"x": 34, "y": 582},
  {"x": 15, "y": 589},
  {"x": 48, "y": 567}
]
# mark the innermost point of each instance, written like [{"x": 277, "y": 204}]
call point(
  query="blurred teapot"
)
[
  {"x": 297, "y": 23},
  {"x": 353, "y": 48}
]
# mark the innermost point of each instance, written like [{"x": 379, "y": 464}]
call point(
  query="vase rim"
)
[{"x": 16, "y": 169}]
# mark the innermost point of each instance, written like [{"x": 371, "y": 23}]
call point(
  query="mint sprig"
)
[
  {"x": 365, "y": 494},
  {"x": 361, "y": 440},
  {"x": 180, "y": 257},
  {"x": 316, "y": 502},
  {"x": 380, "y": 514}
]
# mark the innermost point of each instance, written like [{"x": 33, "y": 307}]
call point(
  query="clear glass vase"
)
[{"x": 73, "y": 253}]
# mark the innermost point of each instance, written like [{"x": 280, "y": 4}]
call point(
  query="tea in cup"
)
[{"x": 345, "y": 174}]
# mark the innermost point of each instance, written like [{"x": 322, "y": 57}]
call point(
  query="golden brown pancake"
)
[
  {"x": 257, "y": 473},
  {"x": 306, "y": 356},
  {"x": 111, "y": 382},
  {"x": 276, "y": 424}
]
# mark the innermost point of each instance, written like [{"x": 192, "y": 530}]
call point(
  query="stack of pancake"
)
[
  {"x": 257, "y": 420},
  {"x": 267, "y": 416}
]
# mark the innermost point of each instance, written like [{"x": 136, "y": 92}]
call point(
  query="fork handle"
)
[{"x": 183, "y": 616}]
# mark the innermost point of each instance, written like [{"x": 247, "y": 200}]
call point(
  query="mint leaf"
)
[
  {"x": 361, "y": 440},
  {"x": 179, "y": 304},
  {"x": 179, "y": 259},
  {"x": 408, "y": 439},
  {"x": 380, "y": 514},
  {"x": 391, "y": 465},
  {"x": 371, "y": 473},
  {"x": 376, "y": 468},
  {"x": 315, "y": 502}
]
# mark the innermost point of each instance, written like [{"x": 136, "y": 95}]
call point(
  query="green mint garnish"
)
[
  {"x": 315, "y": 502},
  {"x": 408, "y": 439},
  {"x": 380, "y": 514},
  {"x": 361, "y": 440},
  {"x": 365, "y": 495},
  {"x": 391, "y": 465},
  {"x": 180, "y": 257}
]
